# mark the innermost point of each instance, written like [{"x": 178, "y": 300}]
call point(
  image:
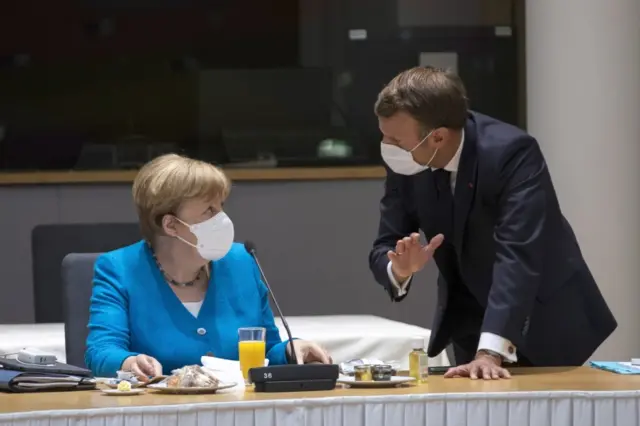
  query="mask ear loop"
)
[
  {"x": 421, "y": 142},
  {"x": 179, "y": 237},
  {"x": 186, "y": 242},
  {"x": 432, "y": 157},
  {"x": 207, "y": 267}
]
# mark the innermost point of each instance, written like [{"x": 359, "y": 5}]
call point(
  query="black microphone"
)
[
  {"x": 251, "y": 248},
  {"x": 290, "y": 377}
]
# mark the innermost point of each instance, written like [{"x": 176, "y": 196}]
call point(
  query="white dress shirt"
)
[{"x": 488, "y": 341}]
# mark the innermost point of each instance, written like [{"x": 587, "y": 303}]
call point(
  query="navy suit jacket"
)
[{"x": 512, "y": 248}]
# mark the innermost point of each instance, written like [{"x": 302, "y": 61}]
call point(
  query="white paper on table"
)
[
  {"x": 226, "y": 370},
  {"x": 628, "y": 364}
]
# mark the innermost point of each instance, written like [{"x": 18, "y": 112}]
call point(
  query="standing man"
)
[{"x": 513, "y": 287}]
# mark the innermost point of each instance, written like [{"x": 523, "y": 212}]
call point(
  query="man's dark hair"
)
[{"x": 433, "y": 96}]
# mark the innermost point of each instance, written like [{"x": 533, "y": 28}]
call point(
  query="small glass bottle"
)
[{"x": 418, "y": 361}]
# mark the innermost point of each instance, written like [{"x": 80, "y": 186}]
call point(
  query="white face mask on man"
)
[
  {"x": 401, "y": 161},
  {"x": 214, "y": 236}
]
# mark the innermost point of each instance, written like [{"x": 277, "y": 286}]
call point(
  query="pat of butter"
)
[{"x": 124, "y": 386}]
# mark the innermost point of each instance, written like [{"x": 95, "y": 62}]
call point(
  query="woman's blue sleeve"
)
[{"x": 108, "y": 340}]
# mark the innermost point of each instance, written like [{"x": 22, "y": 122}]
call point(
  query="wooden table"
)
[{"x": 524, "y": 382}]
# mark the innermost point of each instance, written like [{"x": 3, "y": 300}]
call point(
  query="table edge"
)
[
  {"x": 248, "y": 174},
  {"x": 302, "y": 401}
]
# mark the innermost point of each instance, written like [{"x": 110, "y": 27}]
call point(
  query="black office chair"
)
[
  {"x": 51, "y": 243},
  {"x": 77, "y": 277}
]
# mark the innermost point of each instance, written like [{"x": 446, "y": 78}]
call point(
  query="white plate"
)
[
  {"x": 393, "y": 381},
  {"x": 114, "y": 385},
  {"x": 116, "y": 392},
  {"x": 162, "y": 388}
]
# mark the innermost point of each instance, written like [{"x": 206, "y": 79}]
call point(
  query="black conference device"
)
[
  {"x": 292, "y": 377},
  {"x": 438, "y": 371}
]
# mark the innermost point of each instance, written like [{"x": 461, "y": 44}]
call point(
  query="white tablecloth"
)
[
  {"x": 361, "y": 336},
  {"x": 344, "y": 336},
  {"x": 47, "y": 337},
  {"x": 477, "y": 409}
]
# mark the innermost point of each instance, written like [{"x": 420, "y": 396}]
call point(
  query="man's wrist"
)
[
  {"x": 499, "y": 345},
  {"x": 484, "y": 353},
  {"x": 400, "y": 279}
]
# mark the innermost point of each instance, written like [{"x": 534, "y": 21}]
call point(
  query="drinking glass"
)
[{"x": 251, "y": 348}]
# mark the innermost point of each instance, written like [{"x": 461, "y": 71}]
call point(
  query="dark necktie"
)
[{"x": 444, "y": 205}]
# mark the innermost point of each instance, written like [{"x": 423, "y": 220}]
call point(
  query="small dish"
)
[
  {"x": 113, "y": 384},
  {"x": 116, "y": 392},
  {"x": 135, "y": 383},
  {"x": 362, "y": 373},
  {"x": 391, "y": 382},
  {"x": 382, "y": 372},
  {"x": 125, "y": 375}
]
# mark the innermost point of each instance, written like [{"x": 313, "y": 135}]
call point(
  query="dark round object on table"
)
[{"x": 381, "y": 372}]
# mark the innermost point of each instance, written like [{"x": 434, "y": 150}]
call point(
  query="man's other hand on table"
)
[{"x": 485, "y": 366}]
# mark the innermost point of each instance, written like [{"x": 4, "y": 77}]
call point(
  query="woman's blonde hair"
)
[{"x": 164, "y": 183}]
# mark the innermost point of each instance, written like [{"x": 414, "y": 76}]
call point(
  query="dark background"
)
[{"x": 109, "y": 84}]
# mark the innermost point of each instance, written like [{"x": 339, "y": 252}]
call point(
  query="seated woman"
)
[{"x": 184, "y": 291}]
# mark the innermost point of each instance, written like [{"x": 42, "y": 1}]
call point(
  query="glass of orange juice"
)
[{"x": 251, "y": 348}]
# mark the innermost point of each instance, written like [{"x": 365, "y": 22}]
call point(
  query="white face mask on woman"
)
[
  {"x": 401, "y": 161},
  {"x": 214, "y": 236}
]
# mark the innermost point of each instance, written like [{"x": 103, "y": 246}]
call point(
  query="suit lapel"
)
[{"x": 465, "y": 182}]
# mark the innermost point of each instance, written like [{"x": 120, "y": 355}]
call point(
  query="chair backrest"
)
[
  {"x": 77, "y": 277},
  {"x": 51, "y": 243}
]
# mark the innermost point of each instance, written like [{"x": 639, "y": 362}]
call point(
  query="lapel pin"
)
[{"x": 471, "y": 185}]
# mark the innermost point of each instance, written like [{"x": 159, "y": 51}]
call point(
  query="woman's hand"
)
[
  {"x": 143, "y": 366},
  {"x": 308, "y": 352}
]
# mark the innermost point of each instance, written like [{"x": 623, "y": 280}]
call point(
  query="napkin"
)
[
  {"x": 228, "y": 371},
  {"x": 616, "y": 367}
]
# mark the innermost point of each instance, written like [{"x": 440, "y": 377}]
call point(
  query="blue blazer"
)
[
  {"x": 134, "y": 311},
  {"x": 512, "y": 250}
]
